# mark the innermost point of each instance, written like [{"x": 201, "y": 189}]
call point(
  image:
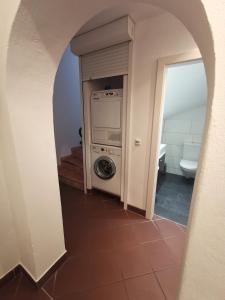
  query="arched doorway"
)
[{"x": 41, "y": 65}]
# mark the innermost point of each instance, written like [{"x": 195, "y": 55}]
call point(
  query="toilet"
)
[{"x": 189, "y": 161}]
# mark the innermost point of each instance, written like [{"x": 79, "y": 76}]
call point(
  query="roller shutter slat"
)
[{"x": 102, "y": 63}]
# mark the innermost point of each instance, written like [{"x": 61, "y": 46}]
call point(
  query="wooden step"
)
[
  {"x": 71, "y": 169},
  {"x": 72, "y": 183},
  {"x": 77, "y": 152},
  {"x": 76, "y": 169},
  {"x": 69, "y": 175},
  {"x": 70, "y": 159}
]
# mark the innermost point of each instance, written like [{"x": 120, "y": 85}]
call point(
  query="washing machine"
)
[{"x": 106, "y": 168}]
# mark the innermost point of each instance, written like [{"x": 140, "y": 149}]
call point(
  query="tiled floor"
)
[
  {"x": 173, "y": 197},
  {"x": 112, "y": 255}
]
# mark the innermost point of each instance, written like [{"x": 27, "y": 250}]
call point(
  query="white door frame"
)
[
  {"x": 126, "y": 129},
  {"x": 157, "y": 123}
]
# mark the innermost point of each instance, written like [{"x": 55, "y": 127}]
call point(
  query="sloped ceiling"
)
[{"x": 185, "y": 88}]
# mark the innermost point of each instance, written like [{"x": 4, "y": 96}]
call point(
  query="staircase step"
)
[
  {"x": 72, "y": 183},
  {"x": 71, "y": 169},
  {"x": 76, "y": 169},
  {"x": 77, "y": 152},
  {"x": 70, "y": 173},
  {"x": 71, "y": 176},
  {"x": 70, "y": 159}
]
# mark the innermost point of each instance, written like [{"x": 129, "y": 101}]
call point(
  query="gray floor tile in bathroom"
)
[{"x": 173, "y": 197}]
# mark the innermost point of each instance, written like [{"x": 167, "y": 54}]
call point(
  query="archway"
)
[{"x": 39, "y": 41}]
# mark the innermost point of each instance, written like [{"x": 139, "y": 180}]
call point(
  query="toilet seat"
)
[{"x": 189, "y": 165}]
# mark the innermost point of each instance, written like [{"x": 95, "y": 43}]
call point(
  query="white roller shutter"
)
[
  {"x": 107, "y": 62},
  {"x": 113, "y": 33}
]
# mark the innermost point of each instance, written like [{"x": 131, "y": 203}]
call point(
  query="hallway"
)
[{"x": 112, "y": 254}]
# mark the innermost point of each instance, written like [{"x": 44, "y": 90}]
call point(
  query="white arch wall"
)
[
  {"x": 204, "y": 269},
  {"x": 47, "y": 40},
  {"x": 9, "y": 258}
]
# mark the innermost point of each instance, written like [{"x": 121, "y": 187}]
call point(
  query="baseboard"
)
[
  {"x": 52, "y": 269},
  {"x": 137, "y": 210},
  {"x": 21, "y": 269}
]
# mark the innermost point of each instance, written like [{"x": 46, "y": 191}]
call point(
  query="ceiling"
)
[{"x": 137, "y": 11}]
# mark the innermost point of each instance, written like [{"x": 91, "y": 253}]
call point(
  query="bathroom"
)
[{"x": 184, "y": 111}]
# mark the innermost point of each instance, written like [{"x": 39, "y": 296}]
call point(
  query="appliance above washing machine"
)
[
  {"x": 106, "y": 117},
  {"x": 106, "y": 168}
]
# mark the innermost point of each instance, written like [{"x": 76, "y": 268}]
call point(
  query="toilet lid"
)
[{"x": 189, "y": 164}]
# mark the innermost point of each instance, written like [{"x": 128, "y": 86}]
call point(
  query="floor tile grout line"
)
[
  {"x": 95, "y": 287},
  {"x": 54, "y": 283},
  {"x": 140, "y": 275},
  {"x": 152, "y": 272},
  {"x": 44, "y": 291},
  {"x": 126, "y": 290},
  {"x": 123, "y": 279},
  {"x": 18, "y": 285},
  {"x": 156, "y": 278}
]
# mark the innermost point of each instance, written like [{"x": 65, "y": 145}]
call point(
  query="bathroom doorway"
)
[{"x": 180, "y": 131}]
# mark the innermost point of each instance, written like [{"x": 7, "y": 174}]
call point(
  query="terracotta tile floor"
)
[{"x": 112, "y": 255}]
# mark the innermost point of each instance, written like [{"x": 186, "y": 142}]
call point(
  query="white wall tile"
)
[
  {"x": 191, "y": 152},
  {"x": 197, "y": 127},
  {"x": 196, "y": 139},
  {"x": 174, "y": 150},
  {"x": 188, "y": 138},
  {"x": 179, "y": 129},
  {"x": 177, "y": 126},
  {"x": 176, "y": 138}
]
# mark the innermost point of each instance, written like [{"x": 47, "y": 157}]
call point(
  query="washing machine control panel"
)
[
  {"x": 99, "y": 149},
  {"x": 98, "y": 95}
]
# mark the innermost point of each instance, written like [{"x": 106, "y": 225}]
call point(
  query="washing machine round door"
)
[{"x": 105, "y": 167}]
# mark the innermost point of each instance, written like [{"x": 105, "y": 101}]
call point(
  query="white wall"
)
[
  {"x": 158, "y": 37},
  {"x": 66, "y": 104},
  {"x": 40, "y": 243},
  {"x": 182, "y": 128},
  {"x": 8, "y": 247},
  {"x": 9, "y": 177}
]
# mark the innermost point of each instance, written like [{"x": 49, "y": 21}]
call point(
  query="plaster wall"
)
[
  {"x": 39, "y": 230},
  {"x": 43, "y": 36},
  {"x": 66, "y": 105},
  {"x": 15, "y": 245},
  {"x": 158, "y": 37},
  {"x": 8, "y": 248},
  {"x": 204, "y": 265}
]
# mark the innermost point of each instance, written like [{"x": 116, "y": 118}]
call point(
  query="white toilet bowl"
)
[
  {"x": 189, "y": 168},
  {"x": 189, "y": 161}
]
